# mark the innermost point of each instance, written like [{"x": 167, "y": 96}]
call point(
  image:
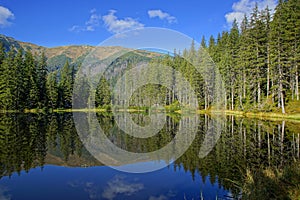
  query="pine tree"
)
[
  {"x": 41, "y": 80},
  {"x": 266, "y": 18},
  {"x": 224, "y": 64},
  {"x": 212, "y": 48},
  {"x": 103, "y": 96},
  {"x": 292, "y": 33},
  {"x": 31, "y": 89},
  {"x": 278, "y": 53},
  {"x": 2, "y": 80},
  {"x": 257, "y": 62},
  {"x": 19, "y": 81},
  {"x": 233, "y": 43},
  {"x": 7, "y": 82},
  {"x": 52, "y": 89},
  {"x": 65, "y": 86},
  {"x": 243, "y": 63},
  {"x": 203, "y": 42},
  {"x": 2, "y": 53}
]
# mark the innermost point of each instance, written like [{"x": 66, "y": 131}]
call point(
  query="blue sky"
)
[{"x": 56, "y": 22}]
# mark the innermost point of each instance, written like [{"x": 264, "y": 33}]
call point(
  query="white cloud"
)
[
  {"x": 162, "y": 15},
  {"x": 5, "y": 16},
  {"x": 242, "y": 7},
  {"x": 90, "y": 25},
  {"x": 118, "y": 186},
  {"x": 89, "y": 187},
  {"x": 115, "y": 25}
]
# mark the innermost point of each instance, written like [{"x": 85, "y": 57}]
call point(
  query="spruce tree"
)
[
  {"x": 19, "y": 81},
  {"x": 278, "y": 53},
  {"x": 41, "y": 80},
  {"x": 30, "y": 81},
  {"x": 52, "y": 89},
  {"x": 233, "y": 43},
  {"x": 2, "y": 53},
  {"x": 243, "y": 64},
  {"x": 65, "y": 86},
  {"x": 7, "y": 82},
  {"x": 103, "y": 96}
]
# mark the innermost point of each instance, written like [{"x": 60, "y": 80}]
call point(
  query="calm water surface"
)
[{"x": 42, "y": 157}]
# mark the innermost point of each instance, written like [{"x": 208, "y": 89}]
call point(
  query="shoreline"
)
[{"x": 259, "y": 115}]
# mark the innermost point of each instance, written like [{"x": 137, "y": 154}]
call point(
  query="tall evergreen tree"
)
[
  {"x": 7, "y": 82},
  {"x": 243, "y": 63},
  {"x": 31, "y": 92},
  {"x": 19, "y": 97},
  {"x": 258, "y": 39},
  {"x": 278, "y": 53},
  {"x": 66, "y": 86},
  {"x": 233, "y": 43},
  {"x": 292, "y": 32},
  {"x": 103, "y": 96},
  {"x": 41, "y": 80},
  {"x": 2, "y": 53},
  {"x": 52, "y": 89}
]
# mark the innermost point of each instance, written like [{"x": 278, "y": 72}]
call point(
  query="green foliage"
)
[
  {"x": 65, "y": 86},
  {"x": 7, "y": 82},
  {"x": 244, "y": 160},
  {"x": 258, "y": 63},
  {"x": 26, "y": 84},
  {"x": 175, "y": 106},
  {"x": 31, "y": 90},
  {"x": 41, "y": 80},
  {"x": 272, "y": 183},
  {"x": 103, "y": 96},
  {"x": 52, "y": 89}
]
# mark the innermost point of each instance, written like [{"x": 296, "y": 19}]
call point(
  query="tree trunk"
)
[
  {"x": 298, "y": 141},
  {"x": 232, "y": 125},
  {"x": 205, "y": 99},
  {"x": 281, "y": 142},
  {"x": 225, "y": 100},
  {"x": 259, "y": 136},
  {"x": 241, "y": 99},
  {"x": 244, "y": 83},
  {"x": 232, "y": 97},
  {"x": 268, "y": 72},
  {"x": 245, "y": 143},
  {"x": 273, "y": 91},
  {"x": 258, "y": 93},
  {"x": 281, "y": 98},
  {"x": 297, "y": 83},
  {"x": 269, "y": 150}
]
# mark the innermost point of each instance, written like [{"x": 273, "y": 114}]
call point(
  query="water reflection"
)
[{"x": 36, "y": 140}]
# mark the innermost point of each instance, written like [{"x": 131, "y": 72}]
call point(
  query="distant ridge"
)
[{"x": 57, "y": 56}]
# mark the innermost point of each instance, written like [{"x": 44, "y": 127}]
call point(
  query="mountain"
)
[
  {"x": 75, "y": 54},
  {"x": 84, "y": 160}
]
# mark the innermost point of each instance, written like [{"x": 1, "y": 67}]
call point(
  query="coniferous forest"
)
[
  {"x": 218, "y": 119},
  {"x": 258, "y": 61},
  {"x": 27, "y": 84}
]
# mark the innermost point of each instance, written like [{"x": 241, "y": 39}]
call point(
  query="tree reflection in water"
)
[{"x": 250, "y": 155}]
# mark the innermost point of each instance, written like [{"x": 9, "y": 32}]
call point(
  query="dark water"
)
[{"x": 42, "y": 157}]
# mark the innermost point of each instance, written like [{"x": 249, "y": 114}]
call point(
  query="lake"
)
[{"x": 44, "y": 157}]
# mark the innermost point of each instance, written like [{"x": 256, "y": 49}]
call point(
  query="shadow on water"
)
[{"x": 250, "y": 158}]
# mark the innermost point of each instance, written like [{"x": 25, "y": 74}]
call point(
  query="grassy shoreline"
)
[{"x": 258, "y": 115}]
